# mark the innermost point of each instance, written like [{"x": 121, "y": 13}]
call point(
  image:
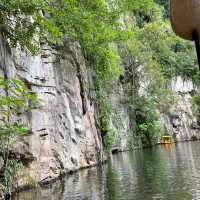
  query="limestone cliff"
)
[
  {"x": 63, "y": 133},
  {"x": 181, "y": 121},
  {"x": 122, "y": 120}
]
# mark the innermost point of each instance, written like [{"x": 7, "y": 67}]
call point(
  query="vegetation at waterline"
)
[
  {"x": 129, "y": 39},
  {"x": 15, "y": 99}
]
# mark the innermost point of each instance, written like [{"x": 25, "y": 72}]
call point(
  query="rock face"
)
[
  {"x": 64, "y": 134},
  {"x": 64, "y": 137},
  {"x": 121, "y": 120},
  {"x": 182, "y": 122}
]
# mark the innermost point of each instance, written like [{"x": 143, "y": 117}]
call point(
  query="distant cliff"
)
[{"x": 181, "y": 121}]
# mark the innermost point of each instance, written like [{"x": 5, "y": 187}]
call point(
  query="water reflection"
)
[{"x": 164, "y": 172}]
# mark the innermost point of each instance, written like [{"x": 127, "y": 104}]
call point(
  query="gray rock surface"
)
[
  {"x": 182, "y": 122},
  {"x": 121, "y": 120},
  {"x": 64, "y": 138},
  {"x": 64, "y": 135}
]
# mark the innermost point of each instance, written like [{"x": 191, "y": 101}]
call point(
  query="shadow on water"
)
[{"x": 163, "y": 172}]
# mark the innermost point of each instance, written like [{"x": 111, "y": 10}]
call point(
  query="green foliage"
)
[
  {"x": 96, "y": 25},
  {"x": 10, "y": 175},
  {"x": 196, "y": 105},
  {"x": 149, "y": 128},
  {"x": 109, "y": 140},
  {"x": 166, "y": 5},
  {"x": 106, "y": 109},
  {"x": 19, "y": 22},
  {"x": 108, "y": 64},
  {"x": 104, "y": 29},
  {"x": 155, "y": 44},
  {"x": 154, "y": 55},
  {"x": 15, "y": 99}
]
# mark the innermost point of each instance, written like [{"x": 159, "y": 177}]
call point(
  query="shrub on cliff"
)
[{"x": 15, "y": 99}]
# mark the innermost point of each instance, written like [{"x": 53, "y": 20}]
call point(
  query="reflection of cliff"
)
[
  {"x": 185, "y": 167},
  {"x": 158, "y": 173},
  {"x": 181, "y": 121},
  {"x": 83, "y": 185}
]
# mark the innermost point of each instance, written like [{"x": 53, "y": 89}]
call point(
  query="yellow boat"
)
[{"x": 167, "y": 139}]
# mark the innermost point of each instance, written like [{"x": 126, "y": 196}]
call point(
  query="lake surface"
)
[{"x": 164, "y": 172}]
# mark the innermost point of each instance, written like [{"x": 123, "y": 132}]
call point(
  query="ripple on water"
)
[{"x": 150, "y": 174}]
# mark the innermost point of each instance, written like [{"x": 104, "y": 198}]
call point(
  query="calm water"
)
[{"x": 158, "y": 173}]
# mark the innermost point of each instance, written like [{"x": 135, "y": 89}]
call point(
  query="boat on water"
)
[{"x": 167, "y": 139}]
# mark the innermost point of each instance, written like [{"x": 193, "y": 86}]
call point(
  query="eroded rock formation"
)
[
  {"x": 63, "y": 134},
  {"x": 181, "y": 121}
]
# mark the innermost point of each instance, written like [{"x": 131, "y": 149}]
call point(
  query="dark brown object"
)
[
  {"x": 197, "y": 45},
  {"x": 185, "y": 17},
  {"x": 185, "y": 20}
]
